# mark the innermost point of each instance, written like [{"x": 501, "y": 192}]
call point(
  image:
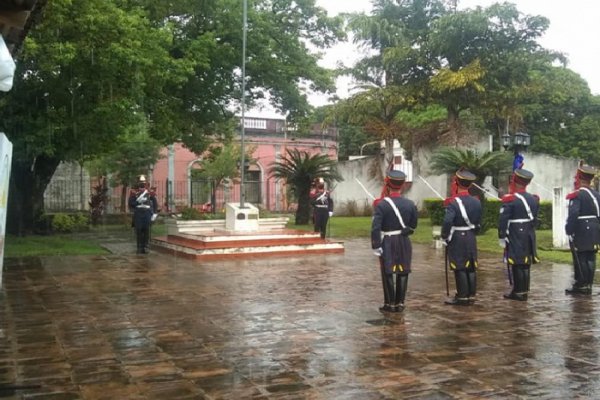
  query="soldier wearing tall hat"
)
[
  {"x": 516, "y": 232},
  {"x": 322, "y": 204},
  {"x": 583, "y": 230},
  {"x": 394, "y": 219},
  {"x": 142, "y": 202},
  {"x": 462, "y": 221}
]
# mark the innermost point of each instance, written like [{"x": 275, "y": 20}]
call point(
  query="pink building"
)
[{"x": 269, "y": 137}]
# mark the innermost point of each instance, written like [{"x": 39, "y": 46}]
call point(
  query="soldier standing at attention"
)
[
  {"x": 583, "y": 229},
  {"x": 394, "y": 219},
  {"x": 516, "y": 232},
  {"x": 144, "y": 205},
  {"x": 322, "y": 207},
  {"x": 461, "y": 223}
]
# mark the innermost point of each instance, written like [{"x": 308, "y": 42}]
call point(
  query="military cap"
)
[
  {"x": 522, "y": 176},
  {"x": 395, "y": 178},
  {"x": 586, "y": 172},
  {"x": 464, "y": 177}
]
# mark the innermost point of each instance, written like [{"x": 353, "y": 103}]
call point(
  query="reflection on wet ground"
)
[{"x": 156, "y": 327}]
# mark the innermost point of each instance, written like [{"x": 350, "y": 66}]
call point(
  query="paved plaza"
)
[{"x": 153, "y": 326}]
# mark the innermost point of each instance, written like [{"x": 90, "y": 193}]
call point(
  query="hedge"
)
[{"x": 491, "y": 210}]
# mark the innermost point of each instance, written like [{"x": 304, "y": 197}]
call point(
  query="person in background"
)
[
  {"x": 142, "y": 202},
  {"x": 516, "y": 232},
  {"x": 394, "y": 219},
  {"x": 462, "y": 221},
  {"x": 583, "y": 229},
  {"x": 322, "y": 207}
]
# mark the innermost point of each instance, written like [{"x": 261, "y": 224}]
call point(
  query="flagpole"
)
[{"x": 243, "y": 156}]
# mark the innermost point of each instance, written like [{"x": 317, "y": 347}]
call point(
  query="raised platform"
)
[{"x": 221, "y": 244}]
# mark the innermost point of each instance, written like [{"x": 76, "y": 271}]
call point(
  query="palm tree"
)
[
  {"x": 299, "y": 169},
  {"x": 448, "y": 160}
]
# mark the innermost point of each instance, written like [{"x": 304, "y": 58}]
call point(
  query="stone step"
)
[
  {"x": 219, "y": 241},
  {"x": 220, "y": 246}
]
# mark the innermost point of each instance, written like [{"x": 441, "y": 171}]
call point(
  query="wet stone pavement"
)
[{"x": 124, "y": 326}]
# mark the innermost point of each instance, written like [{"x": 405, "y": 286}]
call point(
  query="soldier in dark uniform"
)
[
  {"x": 583, "y": 229},
  {"x": 144, "y": 205},
  {"x": 516, "y": 232},
  {"x": 394, "y": 219},
  {"x": 322, "y": 207},
  {"x": 461, "y": 223}
]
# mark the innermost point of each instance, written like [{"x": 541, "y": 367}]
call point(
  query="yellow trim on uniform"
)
[
  {"x": 452, "y": 265},
  {"x": 537, "y": 260},
  {"x": 397, "y": 267},
  {"x": 468, "y": 263},
  {"x": 526, "y": 259},
  {"x": 475, "y": 264},
  {"x": 511, "y": 261}
]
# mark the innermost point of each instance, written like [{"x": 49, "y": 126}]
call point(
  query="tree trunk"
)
[
  {"x": 26, "y": 194},
  {"x": 303, "y": 211},
  {"x": 452, "y": 121}
]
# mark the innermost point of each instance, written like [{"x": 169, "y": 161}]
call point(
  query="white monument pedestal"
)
[{"x": 241, "y": 219}]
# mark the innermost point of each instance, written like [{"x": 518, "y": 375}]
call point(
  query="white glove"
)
[
  {"x": 378, "y": 252},
  {"x": 502, "y": 243},
  {"x": 571, "y": 238},
  {"x": 330, "y": 213},
  {"x": 153, "y": 218}
]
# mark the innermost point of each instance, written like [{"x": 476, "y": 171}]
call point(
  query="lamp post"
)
[{"x": 519, "y": 142}]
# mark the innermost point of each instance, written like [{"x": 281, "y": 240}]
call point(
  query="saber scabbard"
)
[{"x": 446, "y": 269}]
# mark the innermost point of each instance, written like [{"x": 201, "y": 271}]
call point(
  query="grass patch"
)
[
  {"x": 360, "y": 227},
  {"x": 54, "y": 245}
]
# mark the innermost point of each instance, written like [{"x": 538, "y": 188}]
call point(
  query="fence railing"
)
[{"x": 172, "y": 196}]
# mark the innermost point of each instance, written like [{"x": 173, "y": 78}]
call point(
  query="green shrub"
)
[
  {"x": 435, "y": 210},
  {"x": 190, "y": 213},
  {"x": 351, "y": 208},
  {"x": 491, "y": 211},
  {"x": 545, "y": 215},
  {"x": 66, "y": 223}
]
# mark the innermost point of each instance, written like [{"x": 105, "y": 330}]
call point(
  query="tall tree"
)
[
  {"x": 92, "y": 68},
  {"x": 299, "y": 169},
  {"x": 83, "y": 76}
]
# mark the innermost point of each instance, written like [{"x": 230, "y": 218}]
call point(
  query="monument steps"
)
[{"x": 222, "y": 244}]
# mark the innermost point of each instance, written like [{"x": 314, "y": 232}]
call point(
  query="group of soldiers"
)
[{"x": 395, "y": 219}]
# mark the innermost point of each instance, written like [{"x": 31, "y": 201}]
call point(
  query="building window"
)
[{"x": 253, "y": 123}]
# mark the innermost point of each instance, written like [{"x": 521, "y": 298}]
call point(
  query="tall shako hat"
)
[
  {"x": 586, "y": 172},
  {"x": 522, "y": 176},
  {"x": 465, "y": 178},
  {"x": 395, "y": 179}
]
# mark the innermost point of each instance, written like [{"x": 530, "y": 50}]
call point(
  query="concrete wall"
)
[{"x": 550, "y": 172}]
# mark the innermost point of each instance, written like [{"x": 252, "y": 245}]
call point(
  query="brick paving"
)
[{"x": 124, "y": 326}]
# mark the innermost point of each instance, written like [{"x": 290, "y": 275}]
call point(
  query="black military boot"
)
[
  {"x": 400, "y": 295},
  {"x": 592, "y": 272},
  {"x": 472, "y": 275},
  {"x": 519, "y": 289},
  {"x": 139, "y": 242},
  {"x": 526, "y": 281},
  {"x": 582, "y": 277},
  {"x": 387, "y": 281},
  {"x": 462, "y": 289}
]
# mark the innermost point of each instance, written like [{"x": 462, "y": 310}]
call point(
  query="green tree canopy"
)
[{"x": 93, "y": 68}]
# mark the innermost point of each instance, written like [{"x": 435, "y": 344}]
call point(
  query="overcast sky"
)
[{"x": 574, "y": 30}]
